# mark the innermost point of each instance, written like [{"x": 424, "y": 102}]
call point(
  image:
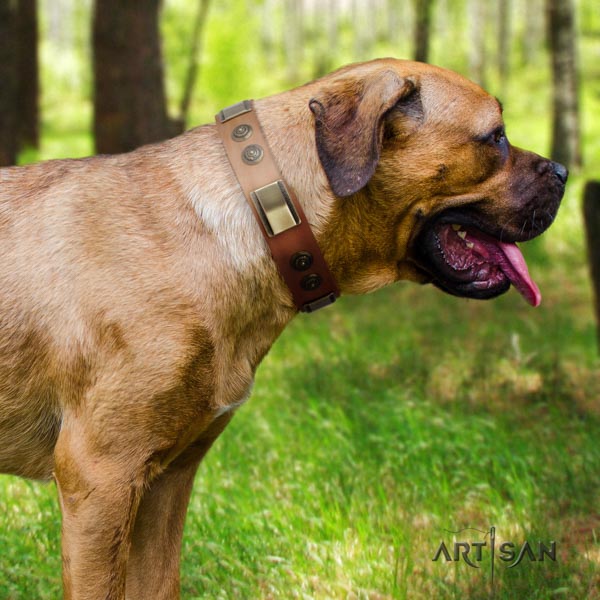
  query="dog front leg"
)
[
  {"x": 99, "y": 497},
  {"x": 153, "y": 566}
]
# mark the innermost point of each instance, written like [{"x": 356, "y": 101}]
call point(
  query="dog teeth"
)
[
  {"x": 470, "y": 245},
  {"x": 459, "y": 232}
]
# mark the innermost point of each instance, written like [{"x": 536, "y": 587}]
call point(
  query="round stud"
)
[
  {"x": 252, "y": 154},
  {"x": 241, "y": 132},
  {"x": 301, "y": 261},
  {"x": 311, "y": 282}
]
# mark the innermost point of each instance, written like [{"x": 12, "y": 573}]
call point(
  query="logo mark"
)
[{"x": 508, "y": 552}]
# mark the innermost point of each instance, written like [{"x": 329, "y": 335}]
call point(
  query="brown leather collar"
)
[{"x": 277, "y": 210}]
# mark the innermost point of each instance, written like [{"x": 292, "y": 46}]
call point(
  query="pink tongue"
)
[{"x": 515, "y": 269}]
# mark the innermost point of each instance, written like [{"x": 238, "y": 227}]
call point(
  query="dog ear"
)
[{"x": 349, "y": 126}]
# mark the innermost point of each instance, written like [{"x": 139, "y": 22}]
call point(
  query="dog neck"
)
[{"x": 275, "y": 206}]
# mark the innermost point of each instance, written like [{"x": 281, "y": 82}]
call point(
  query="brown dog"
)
[{"x": 137, "y": 294}]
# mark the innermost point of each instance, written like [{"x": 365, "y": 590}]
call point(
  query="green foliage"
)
[{"x": 229, "y": 56}]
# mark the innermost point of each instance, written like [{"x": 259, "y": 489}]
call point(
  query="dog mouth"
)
[{"x": 463, "y": 260}]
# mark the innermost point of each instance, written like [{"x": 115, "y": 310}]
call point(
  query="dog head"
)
[{"x": 427, "y": 186}]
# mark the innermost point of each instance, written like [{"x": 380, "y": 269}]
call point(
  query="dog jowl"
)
[{"x": 138, "y": 293}]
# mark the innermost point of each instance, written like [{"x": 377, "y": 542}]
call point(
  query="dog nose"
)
[{"x": 560, "y": 171}]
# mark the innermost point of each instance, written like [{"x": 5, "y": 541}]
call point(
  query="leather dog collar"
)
[{"x": 276, "y": 208}]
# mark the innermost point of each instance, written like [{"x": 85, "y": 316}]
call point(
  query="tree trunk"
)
[
  {"x": 28, "y": 88},
  {"x": 422, "y": 29},
  {"x": 267, "y": 33},
  {"x": 293, "y": 38},
  {"x": 59, "y": 18},
  {"x": 333, "y": 29},
  {"x": 533, "y": 31},
  {"x": 503, "y": 43},
  {"x": 129, "y": 100},
  {"x": 393, "y": 22},
  {"x": 443, "y": 22},
  {"x": 8, "y": 83},
  {"x": 591, "y": 211},
  {"x": 326, "y": 28},
  {"x": 364, "y": 26},
  {"x": 566, "y": 144},
  {"x": 477, "y": 54},
  {"x": 192, "y": 73}
]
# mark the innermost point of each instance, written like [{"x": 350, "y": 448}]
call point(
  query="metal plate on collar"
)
[
  {"x": 235, "y": 110},
  {"x": 319, "y": 303},
  {"x": 275, "y": 208}
]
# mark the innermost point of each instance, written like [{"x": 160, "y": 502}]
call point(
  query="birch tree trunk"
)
[
  {"x": 364, "y": 26},
  {"x": 393, "y": 21},
  {"x": 533, "y": 32},
  {"x": 293, "y": 38},
  {"x": 326, "y": 27},
  {"x": 504, "y": 32},
  {"x": 477, "y": 15},
  {"x": 267, "y": 32}
]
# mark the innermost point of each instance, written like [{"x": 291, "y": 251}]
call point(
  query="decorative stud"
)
[
  {"x": 252, "y": 154},
  {"x": 241, "y": 132},
  {"x": 311, "y": 282},
  {"x": 301, "y": 261}
]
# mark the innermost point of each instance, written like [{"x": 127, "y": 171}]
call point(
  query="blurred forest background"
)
[
  {"x": 379, "y": 424},
  {"x": 134, "y": 72}
]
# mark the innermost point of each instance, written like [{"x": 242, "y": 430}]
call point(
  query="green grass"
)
[{"x": 382, "y": 422}]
